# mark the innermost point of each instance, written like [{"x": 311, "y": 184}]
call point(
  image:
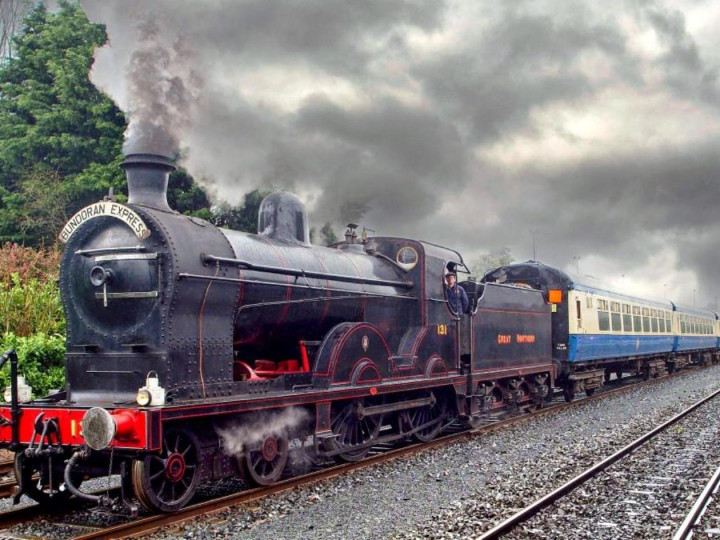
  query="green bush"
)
[
  {"x": 29, "y": 295},
  {"x": 30, "y": 307},
  {"x": 41, "y": 359}
]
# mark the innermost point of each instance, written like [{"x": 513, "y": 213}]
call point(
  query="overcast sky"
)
[{"x": 473, "y": 124}]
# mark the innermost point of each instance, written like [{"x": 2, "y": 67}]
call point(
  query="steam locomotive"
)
[{"x": 196, "y": 353}]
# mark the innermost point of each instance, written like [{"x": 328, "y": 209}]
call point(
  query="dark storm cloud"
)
[
  {"x": 340, "y": 36},
  {"x": 403, "y": 114},
  {"x": 394, "y": 158},
  {"x": 624, "y": 208},
  {"x": 385, "y": 156},
  {"x": 685, "y": 70},
  {"x": 521, "y": 63},
  {"x": 700, "y": 254},
  {"x": 334, "y": 35}
]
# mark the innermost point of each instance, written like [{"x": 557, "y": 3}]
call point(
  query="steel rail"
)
[
  {"x": 693, "y": 518},
  {"x": 535, "y": 508}
]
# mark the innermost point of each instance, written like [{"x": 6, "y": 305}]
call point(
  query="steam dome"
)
[{"x": 282, "y": 215}]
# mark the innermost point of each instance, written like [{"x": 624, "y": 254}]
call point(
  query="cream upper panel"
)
[
  {"x": 690, "y": 325},
  {"x": 593, "y": 313}
]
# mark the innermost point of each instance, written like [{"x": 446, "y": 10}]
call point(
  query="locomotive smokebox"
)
[{"x": 147, "y": 177}]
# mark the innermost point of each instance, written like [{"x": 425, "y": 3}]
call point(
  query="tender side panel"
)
[{"x": 511, "y": 328}]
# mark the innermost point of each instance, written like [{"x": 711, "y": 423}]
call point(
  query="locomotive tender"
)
[{"x": 196, "y": 353}]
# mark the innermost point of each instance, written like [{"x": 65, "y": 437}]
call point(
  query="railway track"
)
[
  {"x": 146, "y": 525},
  {"x": 705, "y": 504},
  {"x": 592, "y": 473}
]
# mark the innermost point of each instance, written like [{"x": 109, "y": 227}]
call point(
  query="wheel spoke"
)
[{"x": 161, "y": 486}]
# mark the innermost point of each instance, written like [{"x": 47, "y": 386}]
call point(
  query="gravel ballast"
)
[
  {"x": 646, "y": 494},
  {"x": 461, "y": 490}
]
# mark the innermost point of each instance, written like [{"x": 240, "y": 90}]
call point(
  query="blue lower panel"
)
[
  {"x": 584, "y": 347},
  {"x": 692, "y": 343}
]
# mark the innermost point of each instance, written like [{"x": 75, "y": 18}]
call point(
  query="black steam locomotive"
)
[{"x": 196, "y": 353}]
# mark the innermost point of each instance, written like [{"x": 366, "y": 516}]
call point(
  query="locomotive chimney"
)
[{"x": 147, "y": 177}]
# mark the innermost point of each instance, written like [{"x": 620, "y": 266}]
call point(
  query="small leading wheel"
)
[
  {"x": 569, "y": 393},
  {"x": 264, "y": 462},
  {"x": 166, "y": 482},
  {"x": 353, "y": 433},
  {"x": 434, "y": 415},
  {"x": 42, "y": 480}
]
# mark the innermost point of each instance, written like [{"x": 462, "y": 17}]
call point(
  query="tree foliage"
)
[
  {"x": 327, "y": 235},
  {"x": 185, "y": 196},
  {"x": 60, "y": 138},
  {"x": 491, "y": 260},
  {"x": 54, "y": 124},
  {"x": 29, "y": 295},
  {"x": 40, "y": 359},
  {"x": 243, "y": 217}
]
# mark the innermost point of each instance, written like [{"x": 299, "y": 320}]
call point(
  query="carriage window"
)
[
  {"x": 668, "y": 325},
  {"x": 579, "y": 313},
  {"x": 655, "y": 324},
  {"x": 603, "y": 315},
  {"x": 627, "y": 318},
  {"x": 662, "y": 325},
  {"x": 615, "y": 316},
  {"x": 604, "y": 320}
]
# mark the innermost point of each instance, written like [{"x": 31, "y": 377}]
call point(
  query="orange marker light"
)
[
  {"x": 373, "y": 391},
  {"x": 555, "y": 296}
]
